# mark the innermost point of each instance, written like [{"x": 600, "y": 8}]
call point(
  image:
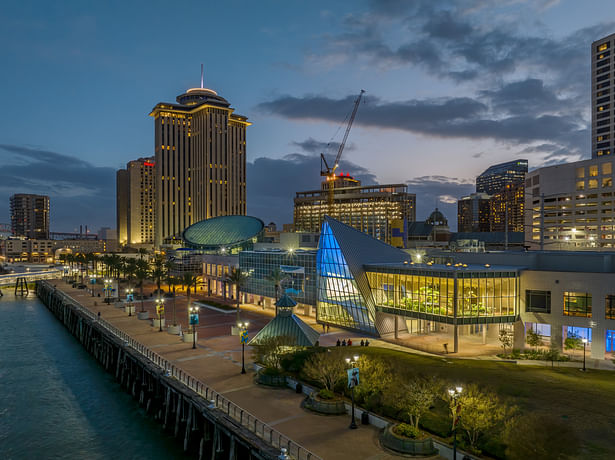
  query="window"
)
[
  {"x": 578, "y": 304},
  {"x": 607, "y": 182},
  {"x": 580, "y": 173},
  {"x": 607, "y": 168},
  {"x": 603, "y": 47},
  {"x": 580, "y": 185},
  {"x": 593, "y": 170},
  {"x": 609, "y": 307},
  {"x": 538, "y": 301}
]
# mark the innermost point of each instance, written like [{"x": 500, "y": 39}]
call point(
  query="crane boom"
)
[{"x": 343, "y": 143}]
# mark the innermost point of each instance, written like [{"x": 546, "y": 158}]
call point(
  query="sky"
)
[{"x": 452, "y": 87}]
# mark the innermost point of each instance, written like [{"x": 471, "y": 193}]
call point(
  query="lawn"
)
[{"x": 586, "y": 400}]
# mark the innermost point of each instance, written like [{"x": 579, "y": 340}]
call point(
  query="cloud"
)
[
  {"x": 311, "y": 145},
  {"x": 79, "y": 192},
  {"x": 273, "y": 182}
]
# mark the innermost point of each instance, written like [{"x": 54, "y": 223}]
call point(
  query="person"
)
[
  {"x": 98, "y": 315},
  {"x": 323, "y": 329},
  {"x": 362, "y": 342},
  {"x": 366, "y": 343},
  {"x": 338, "y": 343},
  {"x": 349, "y": 342},
  {"x": 344, "y": 342},
  {"x": 327, "y": 328}
]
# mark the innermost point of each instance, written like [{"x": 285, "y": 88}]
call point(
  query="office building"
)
[
  {"x": 30, "y": 216},
  {"x": 370, "y": 209},
  {"x": 27, "y": 250},
  {"x": 506, "y": 209},
  {"x": 473, "y": 213},
  {"x": 496, "y": 177},
  {"x": 602, "y": 87},
  {"x": 136, "y": 208},
  {"x": 570, "y": 206},
  {"x": 200, "y": 152}
]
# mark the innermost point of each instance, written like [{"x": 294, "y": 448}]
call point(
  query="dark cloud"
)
[
  {"x": 80, "y": 193},
  {"x": 312, "y": 145},
  {"x": 441, "y": 192},
  {"x": 273, "y": 182}
]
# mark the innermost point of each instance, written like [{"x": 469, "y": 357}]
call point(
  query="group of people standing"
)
[{"x": 344, "y": 343}]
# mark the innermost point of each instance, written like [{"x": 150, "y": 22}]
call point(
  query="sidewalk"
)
[{"x": 217, "y": 362}]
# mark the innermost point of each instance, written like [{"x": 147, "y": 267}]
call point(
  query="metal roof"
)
[
  {"x": 287, "y": 324},
  {"x": 222, "y": 232}
]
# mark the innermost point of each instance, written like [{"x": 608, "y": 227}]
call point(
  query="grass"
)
[{"x": 585, "y": 399}]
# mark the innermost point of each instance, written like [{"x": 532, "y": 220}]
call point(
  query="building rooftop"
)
[
  {"x": 458, "y": 267},
  {"x": 223, "y": 232}
]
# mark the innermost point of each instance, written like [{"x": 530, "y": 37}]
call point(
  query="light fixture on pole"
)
[
  {"x": 584, "y": 340},
  {"x": 243, "y": 337},
  {"x": 129, "y": 299},
  {"x": 160, "y": 311},
  {"x": 353, "y": 381},
  {"x": 454, "y": 393},
  {"x": 194, "y": 320}
]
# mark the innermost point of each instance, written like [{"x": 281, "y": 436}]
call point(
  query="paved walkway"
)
[{"x": 217, "y": 362}]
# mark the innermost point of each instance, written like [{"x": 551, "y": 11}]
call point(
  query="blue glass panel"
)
[
  {"x": 582, "y": 332},
  {"x": 610, "y": 340}
]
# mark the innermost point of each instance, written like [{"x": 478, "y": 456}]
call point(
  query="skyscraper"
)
[
  {"x": 200, "y": 148},
  {"x": 602, "y": 86},
  {"x": 496, "y": 177},
  {"x": 136, "y": 208},
  {"x": 30, "y": 216},
  {"x": 473, "y": 213}
]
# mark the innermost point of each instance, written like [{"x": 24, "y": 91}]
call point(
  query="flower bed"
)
[{"x": 392, "y": 438}]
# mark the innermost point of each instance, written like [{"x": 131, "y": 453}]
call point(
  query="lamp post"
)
[
  {"x": 353, "y": 381},
  {"x": 107, "y": 289},
  {"x": 454, "y": 394},
  {"x": 243, "y": 337},
  {"x": 584, "y": 340},
  {"x": 159, "y": 310},
  {"x": 194, "y": 320},
  {"x": 129, "y": 299}
]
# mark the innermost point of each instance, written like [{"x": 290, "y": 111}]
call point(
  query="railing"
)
[
  {"x": 30, "y": 276},
  {"x": 216, "y": 400}
]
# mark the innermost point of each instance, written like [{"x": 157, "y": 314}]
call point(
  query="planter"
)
[
  {"x": 416, "y": 447},
  {"x": 325, "y": 406},
  {"x": 187, "y": 337},
  {"x": 130, "y": 309},
  {"x": 143, "y": 315},
  {"x": 156, "y": 322},
  {"x": 271, "y": 380},
  {"x": 175, "y": 330}
]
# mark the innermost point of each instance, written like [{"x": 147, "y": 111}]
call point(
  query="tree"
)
[
  {"x": 158, "y": 271},
  {"x": 130, "y": 269},
  {"x": 327, "y": 368},
  {"x": 239, "y": 279},
  {"x": 414, "y": 397},
  {"x": 188, "y": 280},
  {"x": 142, "y": 252},
  {"x": 376, "y": 379},
  {"x": 533, "y": 339},
  {"x": 270, "y": 351},
  {"x": 141, "y": 273},
  {"x": 539, "y": 437},
  {"x": 573, "y": 342},
  {"x": 506, "y": 340},
  {"x": 277, "y": 277},
  {"x": 481, "y": 412},
  {"x": 172, "y": 282}
]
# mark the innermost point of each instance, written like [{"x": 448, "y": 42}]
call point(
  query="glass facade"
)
[
  {"x": 609, "y": 307},
  {"x": 578, "y": 304},
  {"x": 298, "y": 268},
  {"x": 537, "y": 301},
  {"x": 339, "y": 299},
  {"x": 478, "y": 294}
]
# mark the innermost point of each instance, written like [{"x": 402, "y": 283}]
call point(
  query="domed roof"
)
[
  {"x": 223, "y": 232},
  {"x": 437, "y": 218},
  {"x": 198, "y": 96}
]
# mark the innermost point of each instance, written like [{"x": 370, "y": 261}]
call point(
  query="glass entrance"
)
[{"x": 610, "y": 341}]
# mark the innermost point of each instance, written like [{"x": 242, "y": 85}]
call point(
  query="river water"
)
[{"x": 56, "y": 402}]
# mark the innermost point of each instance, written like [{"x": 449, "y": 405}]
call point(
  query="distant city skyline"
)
[{"x": 452, "y": 88}]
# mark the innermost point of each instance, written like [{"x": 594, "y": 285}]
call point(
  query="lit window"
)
[
  {"x": 580, "y": 173},
  {"x": 606, "y": 168},
  {"x": 580, "y": 185},
  {"x": 603, "y": 47},
  {"x": 592, "y": 183},
  {"x": 593, "y": 171},
  {"x": 607, "y": 182}
]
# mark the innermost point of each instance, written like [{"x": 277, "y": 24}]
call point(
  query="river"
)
[{"x": 57, "y": 402}]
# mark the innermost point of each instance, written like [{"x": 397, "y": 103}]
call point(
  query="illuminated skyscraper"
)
[
  {"x": 603, "y": 85},
  {"x": 30, "y": 216},
  {"x": 200, "y": 147},
  {"x": 497, "y": 177}
]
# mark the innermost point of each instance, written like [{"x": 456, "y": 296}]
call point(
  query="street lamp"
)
[
  {"x": 584, "y": 340},
  {"x": 107, "y": 289},
  {"x": 129, "y": 299},
  {"x": 160, "y": 311},
  {"x": 454, "y": 394},
  {"x": 194, "y": 320},
  {"x": 353, "y": 381},
  {"x": 243, "y": 337}
]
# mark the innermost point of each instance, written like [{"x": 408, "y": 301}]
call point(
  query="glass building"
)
[{"x": 497, "y": 177}]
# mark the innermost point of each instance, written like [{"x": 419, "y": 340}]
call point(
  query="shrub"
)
[
  {"x": 270, "y": 351},
  {"x": 294, "y": 362},
  {"x": 407, "y": 431},
  {"x": 326, "y": 394},
  {"x": 327, "y": 368}
]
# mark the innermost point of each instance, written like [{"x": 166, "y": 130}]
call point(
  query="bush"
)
[
  {"x": 271, "y": 371},
  {"x": 407, "y": 431},
  {"x": 294, "y": 362},
  {"x": 326, "y": 394}
]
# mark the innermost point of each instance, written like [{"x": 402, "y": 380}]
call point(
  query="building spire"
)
[{"x": 201, "y": 75}]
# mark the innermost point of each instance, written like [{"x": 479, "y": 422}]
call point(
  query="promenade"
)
[{"x": 217, "y": 362}]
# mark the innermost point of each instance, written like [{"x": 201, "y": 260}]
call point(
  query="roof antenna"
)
[{"x": 201, "y": 76}]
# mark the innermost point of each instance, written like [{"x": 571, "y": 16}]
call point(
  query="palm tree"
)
[
  {"x": 239, "y": 279},
  {"x": 141, "y": 273},
  {"x": 277, "y": 277},
  {"x": 158, "y": 271},
  {"x": 172, "y": 282},
  {"x": 142, "y": 252},
  {"x": 188, "y": 280},
  {"x": 130, "y": 270}
]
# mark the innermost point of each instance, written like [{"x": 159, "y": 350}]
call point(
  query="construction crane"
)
[{"x": 325, "y": 169}]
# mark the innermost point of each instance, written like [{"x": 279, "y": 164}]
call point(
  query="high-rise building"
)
[
  {"x": 603, "y": 85},
  {"x": 136, "y": 208},
  {"x": 30, "y": 216},
  {"x": 496, "y": 177},
  {"x": 506, "y": 209},
  {"x": 473, "y": 213},
  {"x": 371, "y": 209},
  {"x": 200, "y": 146},
  {"x": 571, "y": 206}
]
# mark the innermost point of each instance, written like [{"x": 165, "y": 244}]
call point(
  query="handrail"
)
[{"x": 216, "y": 400}]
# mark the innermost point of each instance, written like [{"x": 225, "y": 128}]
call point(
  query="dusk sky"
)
[{"x": 451, "y": 88}]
